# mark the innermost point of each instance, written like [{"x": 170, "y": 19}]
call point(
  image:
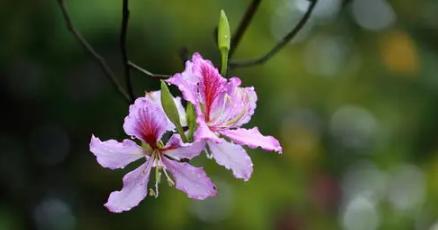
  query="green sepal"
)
[
  {"x": 191, "y": 120},
  {"x": 170, "y": 109}
]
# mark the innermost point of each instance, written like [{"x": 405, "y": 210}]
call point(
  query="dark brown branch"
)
[
  {"x": 289, "y": 36},
  {"x": 88, "y": 48},
  {"x": 147, "y": 72},
  {"x": 123, "y": 35},
  {"x": 243, "y": 25}
]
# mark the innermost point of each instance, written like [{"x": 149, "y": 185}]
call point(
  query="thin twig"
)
[
  {"x": 87, "y": 47},
  {"x": 243, "y": 25},
  {"x": 147, "y": 72},
  {"x": 123, "y": 35},
  {"x": 280, "y": 44}
]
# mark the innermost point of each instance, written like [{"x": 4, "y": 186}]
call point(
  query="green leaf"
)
[
  {"x": 224, "y": 40},
  {"x": 170, "y": 109},
  {"x": 191, "y": 120}
]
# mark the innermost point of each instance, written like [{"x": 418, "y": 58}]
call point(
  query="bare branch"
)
[
  {"x": 289, "y": 36},
  {"x": 88, "y": 48},
  {"x": 243, "y": 25},
  {"x": 123, "y": 35},
  {"x": 147, "y": 72}
]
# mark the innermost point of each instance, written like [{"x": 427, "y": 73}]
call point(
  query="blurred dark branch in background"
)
[
  {"x": 345, "y": 3},
  {"x": 123, "y": 35},
  {"x": 99, "y": 59},
  {"x": 147, "y": 72},
  {"x": 240, "y": 31},
  {"x": 243, "y": 25},
  {"x": 280, "y": 44}
]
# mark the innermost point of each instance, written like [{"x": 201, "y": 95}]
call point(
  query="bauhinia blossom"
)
[
  {"x": 147, "y": 123},
  {"x": 222, "y": 107}
]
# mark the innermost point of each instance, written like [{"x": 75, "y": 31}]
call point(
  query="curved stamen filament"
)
[{"x": 157, "y": 180}]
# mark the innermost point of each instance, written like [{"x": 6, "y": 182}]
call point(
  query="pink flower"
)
[
  {"x": 222, "y": 107},
  {"x": 147, "y": 122}
]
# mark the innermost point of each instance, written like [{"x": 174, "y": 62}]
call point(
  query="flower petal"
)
[
  {"x": 175, "y": 148},
  {"x": 253, "y": 139},
  {"x": 201, "y": 84},
  {"x": 235, "y": 108},
  {"x": 187, "y": 81},
  {"x": 203, "y": 132},
  {"x": 212, "y": 88},
  {"x": 146, "y": 121},
  {"x": 246, "y": 99},
  {"x": 113, "y": 154},
  {"x": 233, "y": 157},
  {"x": 134, "y": 189},
  {"x": 191, "y": 180},
  {"x": 156, "y": 97}
]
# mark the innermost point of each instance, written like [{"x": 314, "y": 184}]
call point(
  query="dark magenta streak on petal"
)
[
  {"x": 148, "y": 129},
  {"x": 211, "y": 87}
]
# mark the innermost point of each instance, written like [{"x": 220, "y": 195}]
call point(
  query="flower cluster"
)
[{"x": 221, "y": 106}]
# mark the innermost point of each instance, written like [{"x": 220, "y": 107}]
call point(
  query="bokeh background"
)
[{"x": 353, "y": 99}]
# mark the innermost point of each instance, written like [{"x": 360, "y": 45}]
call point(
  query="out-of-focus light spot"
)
[
  {"x": 399, "y": 54},
  {"x": 324, "y": 9},
  {"x": 217, "y": 208},
  {"x": 52, "y": 213},
  {"x": 50, "y": 144},
  {"x": 301, "y": 5},
  {"x": 424, "y": 217},
  {"x": 366, "y": 180},
  {"x": 360, "y": 214},
  {"x": 434, "y": 226},
  {"x": 373, "y": 14},
  {"x": 285, "y": 14},
  {"x": 327, "y": 56},
  {"x": 406, "y": 187},
  {"x": 353, "y": 127},
  {"x": 301, "y": 136}
]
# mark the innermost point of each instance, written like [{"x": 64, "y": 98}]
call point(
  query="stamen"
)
[
  {"x": 157, "y": 180},
  {"x": 160, "y": 144},
  {"x": 169, "y": 180},
  {"x": 240, "y": 115},
  {"x": 147, "y": 148},
  {"x": 152, "y": 193},
  {"x": 208, "y": 154}
]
